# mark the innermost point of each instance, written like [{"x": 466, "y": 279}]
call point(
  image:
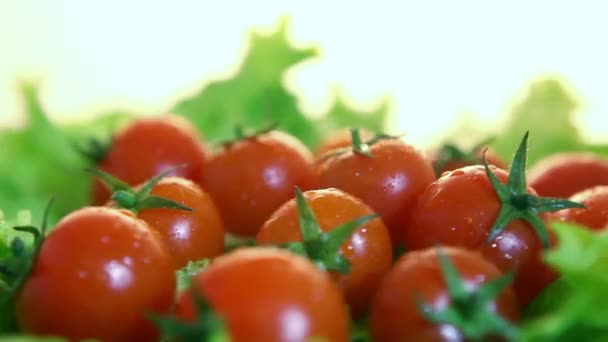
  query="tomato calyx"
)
[
  {"x": 241, "y": 133},
  {"x": 15, "y": 268},
  {"x": 470, "y": 311},
  {"x": 207, "y": 325},
  {"x": 358, "y": 146},
  {"x": 451, "y": 152},
  {"x": 323, "y": 248},
  {"x": 94, "y": 150},
  {"x": 136, "y": 200},
  {"x": 517, "y": 203}
]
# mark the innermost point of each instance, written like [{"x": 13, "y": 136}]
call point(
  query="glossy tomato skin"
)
[
  {"x": 340, "y": 139},
  {"x": 595, "y": 213},
  {"x": 98, "y": 275},
  {"x": 149, "y": 146},
  {"x": 189, "y": 235},
  {"x": 250, "y": 178},
  {"x": 564, "y": 174},
  {"x": 389, "y": 182},
  {"x": 395, "y": 315},
  {"x": 368, "y": 249},
  {"x": 267, "y": 295},
  {"x": 459, "y": 209}
]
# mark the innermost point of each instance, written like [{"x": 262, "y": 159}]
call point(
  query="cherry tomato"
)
[
  {"x": 189, "y": 235},
  {"x": 459, "y": 209},
  {"x": 389, "y": 182},
  {"x": 340, "y": 139},
  {"x": 250, "y": 178},
  {"x": 564, "y": 174},
  {"x": 98, "y": 274},
  {"x": 595, "y": 213},
  {"x": 418, "y": 275},
  {"x": 368, "y": 249},
  {"x": 150, "y": 146},
  {"x": 268, "y": 294}
]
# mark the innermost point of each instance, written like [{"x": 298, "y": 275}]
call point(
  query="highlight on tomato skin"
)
[
  {"x": 368, "y": 249},
  {"x": 389, "y": 179},
  {"x": 250, "y": 178},
  {"x": 418, "y": 280},
  {"x": 595, "y": 213},
  {"x": 148, "y": 146},
  {"x": 564, "y": 174},
  {"x": 270, "y": 294},
  {"x": 189, "y": 235},
  {"x": 98, "y": 274}
]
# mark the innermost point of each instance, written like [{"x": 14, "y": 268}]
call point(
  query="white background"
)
[{"x": 436, "y": 59}]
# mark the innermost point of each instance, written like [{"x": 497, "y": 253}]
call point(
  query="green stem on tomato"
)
[
  {"x": 241, "y": 133},
  {"x": 126, "y": 197},
  {"x": 94, "y": 150},
  {"x": 517, "y": 203},
  {"x": 323, "y": 248},
  {"x": 357, "y": 145},
  {"x": 470, "y": 311},
  {"x": 450, "y": 152}
]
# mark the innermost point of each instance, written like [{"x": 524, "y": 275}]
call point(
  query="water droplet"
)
[
  {"x": 136, "y": 244},
  {"x": 105, "y": 239},
  {"x": 83, "y": 274},
  {"x": 128, "y": 261}
]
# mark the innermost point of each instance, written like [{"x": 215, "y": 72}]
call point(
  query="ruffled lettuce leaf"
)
[
  {"x": 575, "y": 307},
  {"x": 548, "y": 111},
  {"x": 256, "y": 96}
]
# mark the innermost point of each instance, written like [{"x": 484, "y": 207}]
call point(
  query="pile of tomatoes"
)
[{"x": 367, "y": 231}]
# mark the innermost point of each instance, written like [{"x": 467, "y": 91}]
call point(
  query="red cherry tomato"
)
[
  {"x": 250, "y": 178},
  {"x": 395, "y": 314},
  {"x": 389, "y": 182},
  {"x": 595, "y": 213},
  {"x": 368, "y": 250},
  {"x": 189, "y": 235},
  {"x": 98, "y": 274},
  {"x": 562, "y": 175},
  {"x": 459, "y": 209},
  {"x": 150, "y": 146},
  {"x": 268, "y": 294}
]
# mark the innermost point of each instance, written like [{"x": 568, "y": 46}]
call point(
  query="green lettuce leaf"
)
[
  {"x": 575, "y": 307},
  {"x": 256, "y": 96},
  {"x": 8, "y": 235},
  {"x": 39, "y": 162},
  {"x": 548, "y": 111}
]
